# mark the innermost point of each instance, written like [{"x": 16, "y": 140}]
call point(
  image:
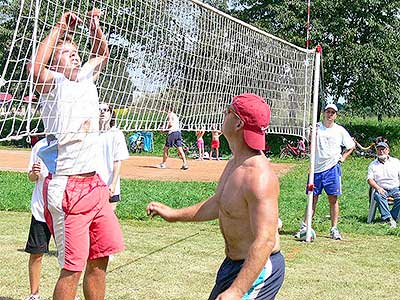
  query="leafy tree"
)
[{"x": 360, "y": 41}]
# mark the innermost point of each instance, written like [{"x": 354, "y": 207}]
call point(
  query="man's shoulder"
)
[{"x": 373, "y": 163}]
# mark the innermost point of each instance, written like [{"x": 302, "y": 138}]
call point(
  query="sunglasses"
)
[
  {"x": 104, "y": 110},
  {"x": 229, "y": 109}
]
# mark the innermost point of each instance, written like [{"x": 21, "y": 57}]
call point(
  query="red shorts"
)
[
  {"x": 79, "y": 215},
  {"x": 215, "y": 144}
]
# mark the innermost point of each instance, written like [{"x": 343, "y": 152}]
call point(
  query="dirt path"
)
[{"x": 145, "y": 167}]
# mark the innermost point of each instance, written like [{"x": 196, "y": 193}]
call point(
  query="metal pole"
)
[
  {"x": 308, "y": 24},
  {"x": 310, "y": 186}
]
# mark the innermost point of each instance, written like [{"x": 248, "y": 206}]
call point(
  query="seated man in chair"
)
[{"x": 384, "y": 177}]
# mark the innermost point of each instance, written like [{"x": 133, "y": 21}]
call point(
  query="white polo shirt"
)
[{"x": 386, "y": 175}]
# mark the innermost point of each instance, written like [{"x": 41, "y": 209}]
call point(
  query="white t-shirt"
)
[
  {"x": 329, "y": 143},
  {"x": 174, "y": 122},
  {"x": 71, "y": 112},
  {"x": 37, "y": 205},
  {"x": 113, "y": 148},
  {"x": 386, "y": 175}
]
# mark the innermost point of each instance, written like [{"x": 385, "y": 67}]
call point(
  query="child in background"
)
[
  {"x": 215, "y": 134},
  {"x": 200, "y": 143},
  {"x": 39, "y": 233}
]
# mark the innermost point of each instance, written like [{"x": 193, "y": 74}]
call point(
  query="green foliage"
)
[
  {"x": 360, "y": 41},
  {"x": 366, "y": 129}
]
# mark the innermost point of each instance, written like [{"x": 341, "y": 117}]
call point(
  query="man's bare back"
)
[{"x": 233, "y": 209}]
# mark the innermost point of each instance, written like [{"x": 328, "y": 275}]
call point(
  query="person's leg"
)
[
  {"x": 94, "y": 281},
  {"x": 217, "y": 153},
  {"x": 334, "y": 209},
  {"x": 67, "y": 285},
  {"x": 395, "y": 193},
  {"x": 36, "y": 246},
  {"x": 383, "y": 205},
  {"x": 165, "y": 154},
  {"x": 182, "y": 154},
  {"x": 35, "y": 266}
]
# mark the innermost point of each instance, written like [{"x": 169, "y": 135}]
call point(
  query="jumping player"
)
[{"x": 85, "y": 228}]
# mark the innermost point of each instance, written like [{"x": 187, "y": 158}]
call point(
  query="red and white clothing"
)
[
  {"x": 113, "y": 148},
  {"x": 78, "y": 212}
]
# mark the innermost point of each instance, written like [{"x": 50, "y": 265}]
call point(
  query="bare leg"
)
[
  {"x": 94, "y": 281},
  {"x": 66, "y": 285},
  {"x": 334, "y": 210},
  {"x": 114, "y": 206},
  {"x": 35, "y": 266},
  {"x": 182, "y": 154},
  {"x": 217, "y": 153},
  {"x": 165, "y": 154}
]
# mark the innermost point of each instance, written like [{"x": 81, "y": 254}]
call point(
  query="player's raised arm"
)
[
  {"x": 41, "y": 74},
  {"x": 100, "y": 52}
]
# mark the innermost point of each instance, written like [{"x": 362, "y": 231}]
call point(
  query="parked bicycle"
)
[
  {"x": 293, "y": 149},
  {"x": 368, "y": 151}
]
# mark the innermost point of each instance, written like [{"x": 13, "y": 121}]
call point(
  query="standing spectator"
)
[
  {"x": 246, "y": 204},
  {"x": 328, "y": 159},
  {"x": 114, "y": 150},
  {"x": 384, "y": 177},
  {"x": 215, "y": 134},
  {"x": 174, "y": 139},
  {"x": 85, "y": 228},
  {"x": 200, "y": 143},
  {"x": 39, "y": 233}
]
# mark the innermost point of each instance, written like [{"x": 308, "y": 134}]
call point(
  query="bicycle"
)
[
  {"x": 289, "y": 149},
  {"x": 369, "y": 151}
]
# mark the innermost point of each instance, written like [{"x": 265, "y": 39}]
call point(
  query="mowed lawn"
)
[{"x": 180, "y": 260}]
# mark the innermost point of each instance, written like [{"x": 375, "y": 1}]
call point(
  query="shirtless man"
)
[{"x": 246, "y": 204}]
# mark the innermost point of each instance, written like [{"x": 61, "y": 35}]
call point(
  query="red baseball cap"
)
[{"x": 255, "y": 114}]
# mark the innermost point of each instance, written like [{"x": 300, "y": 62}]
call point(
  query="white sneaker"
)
[
  {"x": 184, "y": 167},
  {"x": 33, "y": 297},
  {"x": 162, "y": 166},
  {"x": 303, "y": 229},
  {"x": 335, "y": 234},
  {"x": 392, "y": 223}
]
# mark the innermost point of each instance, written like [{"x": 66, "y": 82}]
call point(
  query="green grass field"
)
[{"x": 179, "y": 261}]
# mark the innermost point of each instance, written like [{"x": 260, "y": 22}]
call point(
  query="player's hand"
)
[
  {"x": 111, "y": 189},
  {"x": 159, "y": 209},
  {"x": 94, "y": 18},
  {"x": 381, "y": 191},
  {"x": 69, "y": 21},
  {"x": 36, "y": 168}
]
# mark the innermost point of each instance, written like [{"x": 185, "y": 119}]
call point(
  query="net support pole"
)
[
  {"x": 31, "y": 83},
  {"x": 310, "y": 185}
]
